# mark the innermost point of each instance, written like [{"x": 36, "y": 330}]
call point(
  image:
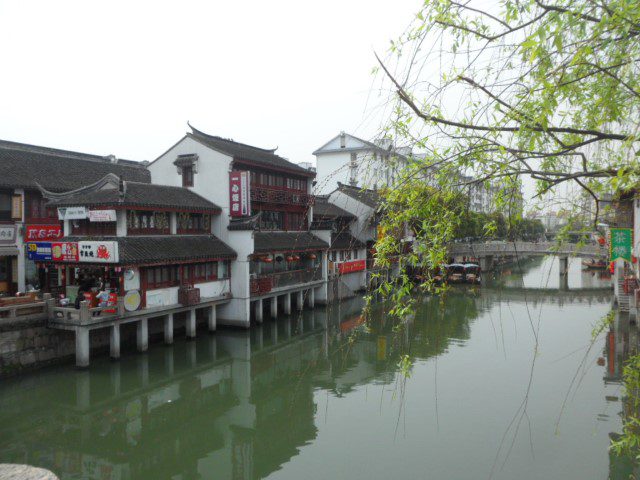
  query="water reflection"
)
[{"x": 243, "y": 404}]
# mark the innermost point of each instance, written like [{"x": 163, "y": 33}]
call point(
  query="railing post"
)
[
  {"x": 120, "y": 306},
  {"x": 85, "y": 314},
  {"x": 50, "y": 304}
]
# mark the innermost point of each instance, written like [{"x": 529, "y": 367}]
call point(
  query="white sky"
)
[{"x": 123, "y": 77}]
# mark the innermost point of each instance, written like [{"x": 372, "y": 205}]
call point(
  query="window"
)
[
  {"x": 5, "y": 206},
  {"x": 295, "y": 221},
  {"x": 140, "y": 221},
  {"x": 194, "y": 223},
  {"x": 187, "y": 176},
  {"x": 160, "y": 277},
  {"x": 271, "y": 220}
]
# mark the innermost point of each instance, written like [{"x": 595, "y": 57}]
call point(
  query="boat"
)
[
  {"x": 472, "y": 273},
  {"x": 455, "y": 273},
  {"x": 594, "y": 264}
]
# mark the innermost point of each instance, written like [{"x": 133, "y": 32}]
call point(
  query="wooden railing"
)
[
  {"x": 268, "y": 195},
  {"x": 265, "y": 283}
]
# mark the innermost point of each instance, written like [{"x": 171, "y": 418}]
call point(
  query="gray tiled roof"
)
[
  {"x": 245, "y": 223},
  {"x": 25, "y": 166},
  {"x": 345, "y": 241},
  {"x": 322, "y": 208},
  {"x": 156, "y": 249},
  {"x": 141, "y": 195},
  {"x": 241, "y": 151},
  {"x": 370, "y": 198},
  {"x": 287, "y": 242}
]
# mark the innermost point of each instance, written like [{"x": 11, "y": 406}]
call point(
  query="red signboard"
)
[
  {"x": 36, "y": 233},
  {"x": 353, "y": 266},
  {"x": 239, "y": 194},
  {"x": 64, "y": 252}
]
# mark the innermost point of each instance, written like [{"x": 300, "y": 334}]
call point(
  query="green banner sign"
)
[{"x": 621, "y": 244}]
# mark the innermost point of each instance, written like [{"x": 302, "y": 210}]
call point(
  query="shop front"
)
[{"x": 8, "y": 261}]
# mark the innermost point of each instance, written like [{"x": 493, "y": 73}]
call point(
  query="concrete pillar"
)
[
  {"x": 168, "y": 361},
  {"x": 274, "y": 307},
  {"x": 258, "y": 306},
  {"x": 115, "y": 374},
  {"x": 191, "y": 323},
  {"x": 142, "y": 364},
  {"x": 213, "y": 347},
  {"x": 83, "y": 390},
  {"x": 142, "y": 335},
  {"x": 564, "y": 265},
  {"x": 287, "y": 304},
  {"x": 211, "y": 318},
  {"x": 114, "y": 341},
  {"x": 274, "y": 333},
  {"x": 300, "y": 300},
  {"x": 192, "y": 354},
  {"x": 82, "y": 347},
  {"x": 168, "y": 329},
  {"x": 311, "y": 297}
]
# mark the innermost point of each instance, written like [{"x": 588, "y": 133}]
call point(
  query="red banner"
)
[
  {"x": 353, "y": 266},
  {"x": 37, "y": 233},
  {"x": 239, "y": 194}
]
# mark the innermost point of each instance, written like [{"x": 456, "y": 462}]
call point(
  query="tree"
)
[{"x": 549, "y": 90}]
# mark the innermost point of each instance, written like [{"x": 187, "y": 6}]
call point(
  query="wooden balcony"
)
[
  {"x": 266, "y": 283},
  {"x": 284, "y": 197}
]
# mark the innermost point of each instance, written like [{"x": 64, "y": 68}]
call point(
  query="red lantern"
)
[
  {"x": 601, "y": 240},
  {"x": 634, "y": 259},
  {"x": 296, "y": 257},
  {"x": 313, "y": 256},
  {"x": 267, "y": 259},
  {"x": 289, "y": 258}
]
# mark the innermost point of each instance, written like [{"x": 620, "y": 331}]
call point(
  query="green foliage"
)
[{"x": 628, "y": 443}]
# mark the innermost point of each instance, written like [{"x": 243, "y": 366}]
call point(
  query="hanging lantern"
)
[
  {"x": 290, "y": 258},
  {"x": 267, "y": 259},
  {"x": 313, "y": 256},
  {"x": 634, "y": 259},
  {"x": 296, "y": 258},
  {"x": 601, "y": 240}
]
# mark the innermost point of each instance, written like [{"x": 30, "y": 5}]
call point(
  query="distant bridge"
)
[{"x": 486, "y": 252}]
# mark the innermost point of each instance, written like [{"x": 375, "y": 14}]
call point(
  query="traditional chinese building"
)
[
  {"x": 24, "y": 214},
  {"x": 149, "y": 249},
  {"x": 267, "y": 208}
]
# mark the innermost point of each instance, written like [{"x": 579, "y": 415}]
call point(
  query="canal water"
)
[{"x": 501, "y": 382}]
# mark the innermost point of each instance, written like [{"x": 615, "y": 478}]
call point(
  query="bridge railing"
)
[{"x": 512, "y": 248}]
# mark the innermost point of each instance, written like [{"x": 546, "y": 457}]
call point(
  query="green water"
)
[{"x": 322, "y": 396}]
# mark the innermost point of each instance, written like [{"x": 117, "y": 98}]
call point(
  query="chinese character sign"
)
[
  {"x": 98, "y": 252},
  {"x": 39, "y": 251},
  {"x": 35, "y": 233},
  {"x": 239, "y": 194},
  {"x": 621, "y": 244},
  {"x": 64, "y": 251}
]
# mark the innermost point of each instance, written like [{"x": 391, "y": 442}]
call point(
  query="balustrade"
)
[{"x": 288, "y": 197}]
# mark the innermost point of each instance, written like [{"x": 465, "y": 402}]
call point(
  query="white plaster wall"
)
[
  {"x": 331, "y": 168},
  {"x": 237, "y": 312},
  {"x": 360, "y": 228},
  {"x": 162, "y": 297},
  {"x": 214, "y": 289},
  {"x": 355, "y": 280},
  {"x": 211, "y": 181}
]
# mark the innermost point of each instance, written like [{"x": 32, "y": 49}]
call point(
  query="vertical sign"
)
[
  {"x": 239, "y": 194},
  {"x": 621, "y": 244},
  {"x": 16, "y": 207}
]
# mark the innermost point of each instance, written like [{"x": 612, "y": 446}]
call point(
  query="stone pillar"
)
[
  {"x": 168, "y": 361},
  {"x": 192, "y": 354},
  {"x": 168, "y": 329},
  {"x": 274, "y": 307},
  {"x": 258, "y": 306},
  {"x": 82, "y": 347},
  {"x": 142, "y": 335},
  {"x": 211, "y": 318},
  {"x": 83, "y": 390},
  {"x": 300, "y": 302},
  {"x": 114, "y": 341},
  {"x": 191, "y": 323},
  {"x": 311, "y": 297},
  {"x": 564, "y": 273},
  {"x": 287, "y": 303}
]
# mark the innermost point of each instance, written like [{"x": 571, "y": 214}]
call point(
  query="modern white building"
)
[{"x": 352, "y": 161}]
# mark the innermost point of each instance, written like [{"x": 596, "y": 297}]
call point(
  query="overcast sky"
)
[{"x": 123, "y": 77}]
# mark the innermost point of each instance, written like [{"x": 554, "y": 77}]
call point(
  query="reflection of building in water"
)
[{"x": 621, "y": 342}]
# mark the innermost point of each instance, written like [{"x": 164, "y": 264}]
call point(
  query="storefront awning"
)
[{"x": 8, "y": 251}]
